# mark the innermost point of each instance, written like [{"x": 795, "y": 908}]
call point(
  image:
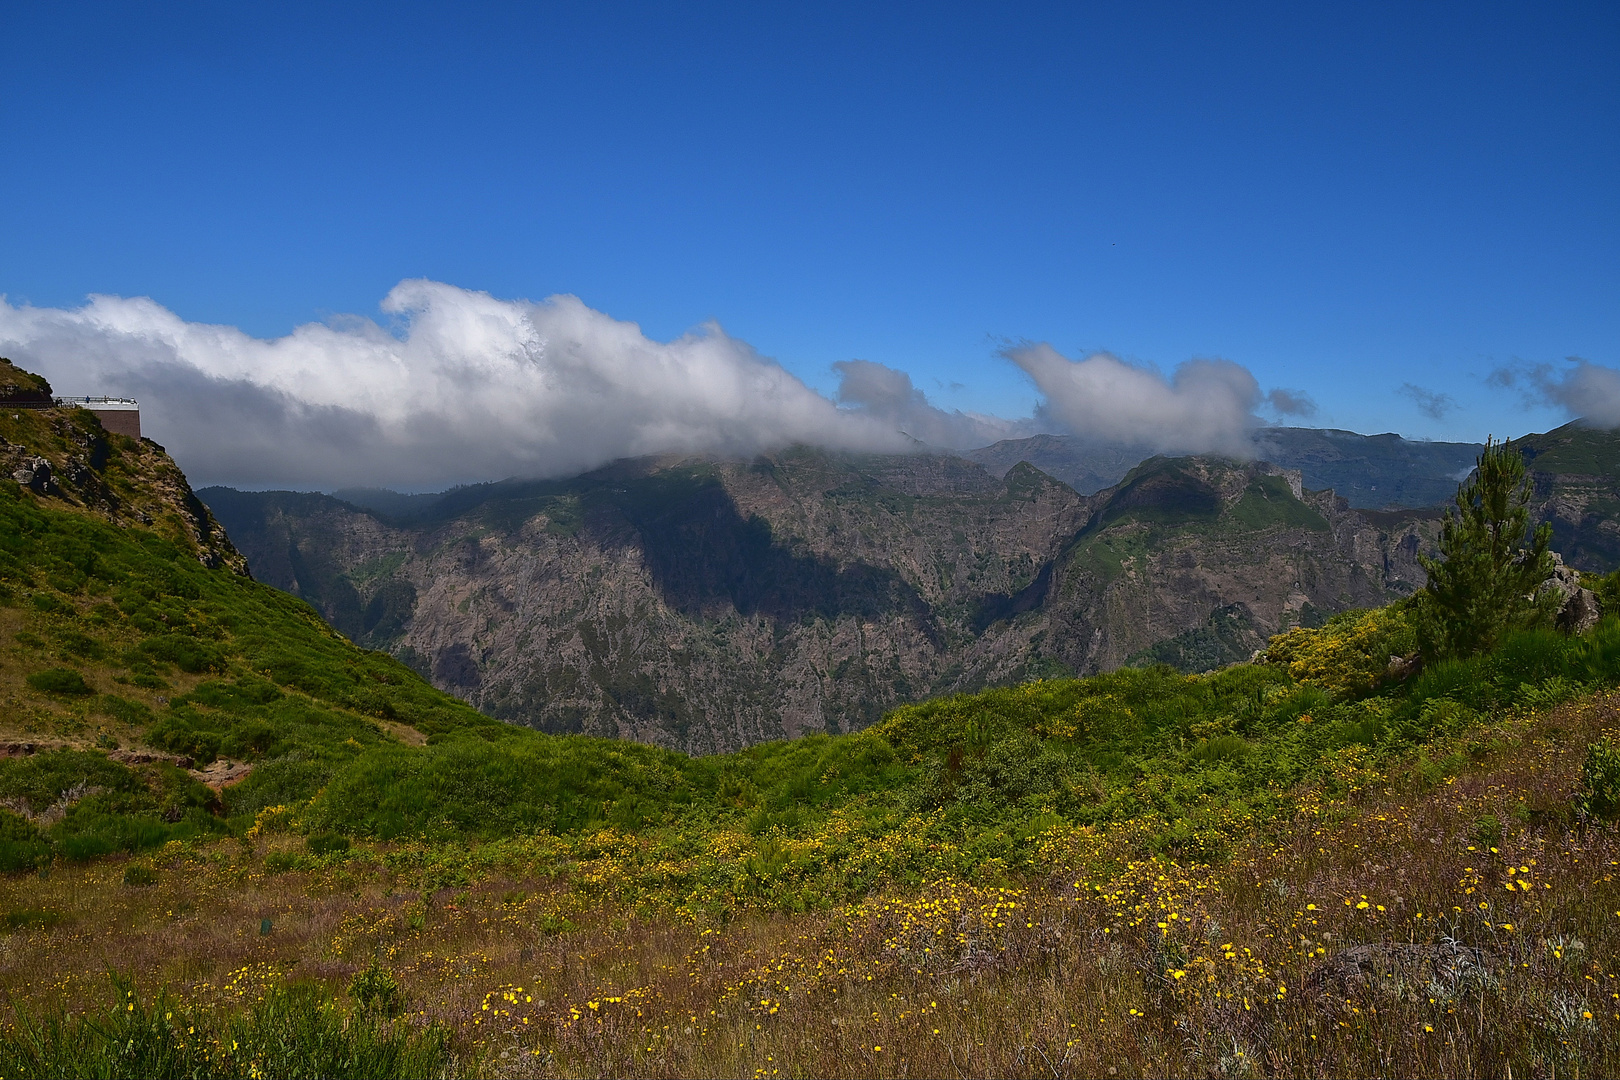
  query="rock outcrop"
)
[
  {"x": 66, "y": 456},
  {"x": 23, "y": 389},
  {"x": 1578, "y": 608}
]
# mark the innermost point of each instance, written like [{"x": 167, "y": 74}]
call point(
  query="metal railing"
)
[{"x": 85, "y": 401}]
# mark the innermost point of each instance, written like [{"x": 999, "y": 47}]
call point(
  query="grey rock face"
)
[
  {"x": 1579, "y": 609},
  {"x": 1575, "y": 471},
  {"x": 707, "y": 605},
  {"x": 35, "y": 473}
]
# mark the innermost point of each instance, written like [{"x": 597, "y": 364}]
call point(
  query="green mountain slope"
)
[
  {"x": 143, "y": 670},
  {"x": 1196, "y": 561}
]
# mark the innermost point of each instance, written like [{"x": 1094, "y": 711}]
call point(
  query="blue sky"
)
[{"x": 1343, "y": 200}]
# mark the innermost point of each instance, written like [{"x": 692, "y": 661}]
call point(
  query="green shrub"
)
[
  {"x": 1607, "y": 589},
  {"x": 22, "y": 846},
  {"x": 1350, "y": 653},
  {"x": 286, "y": 781},
  {"x": 1488, "y": 831},
  {"x": 186, "y": 653},
  {"x": 175, "y": 734},
  {"x": 1532, "y": 656},
  {"x": 376, "y": 992},
  {"x": 279, "y": 862},
  {"x": 1595, "y": 657},
  {"x": 98, "y": 827},
  {"x": 41, "y": 780},
  {"x": 112, "y": 808},
  {"x": 139, "y": 875},
  {"x": 123, "y": 710},
  {"x": 1443, "y": 716},
  {"x": 29, "y": 919},
  {"x": 1221, "y": 748},
  {"x": 1492, "y": 563},
  {"x": 1600, "y": 781},
  {"x": 327, "y": 843},
  {"x": 59, "y": 681}
]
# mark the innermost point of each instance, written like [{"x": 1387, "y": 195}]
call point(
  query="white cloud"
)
[
  {"x": 1430, "y": 403},
  {"x": 474, "y": 388},
  {"x": 1205, "y": 406},
  {"x": 1291, "y": 403},
  {"x": 1587, "y": 390},
  {"x": 887, "y": 394}
]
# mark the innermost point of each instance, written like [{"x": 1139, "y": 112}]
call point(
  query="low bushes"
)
[{"x": 63, "y": 681}]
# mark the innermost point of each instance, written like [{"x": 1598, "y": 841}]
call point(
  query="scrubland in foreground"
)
[{"x": 1444, "y": 914}]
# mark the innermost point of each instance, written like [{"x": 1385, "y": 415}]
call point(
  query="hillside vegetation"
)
[
  {"x": 135, "y": 654},
  {"x": 298, "y": 857}
]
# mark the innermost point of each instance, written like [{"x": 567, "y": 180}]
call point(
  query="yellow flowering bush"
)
[{"x": 1350, "y": 653}]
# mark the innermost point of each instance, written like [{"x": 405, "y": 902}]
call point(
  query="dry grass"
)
[{"x": 1377, "y": 934}]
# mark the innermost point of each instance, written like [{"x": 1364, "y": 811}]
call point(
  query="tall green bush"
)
[
  {"x": 1600, "y": 781},
  {"x": 1491, "y": 564}
]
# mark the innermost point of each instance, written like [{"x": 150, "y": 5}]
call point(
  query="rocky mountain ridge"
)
[
  {"x": 706, "y": 605},
  {"x": 1371, "y": 472}
]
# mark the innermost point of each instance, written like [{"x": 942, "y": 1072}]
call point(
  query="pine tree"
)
[{"x": 1491, "y": 565}]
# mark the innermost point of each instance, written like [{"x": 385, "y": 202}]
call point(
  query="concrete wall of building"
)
[{"x": 120, "y": 421}]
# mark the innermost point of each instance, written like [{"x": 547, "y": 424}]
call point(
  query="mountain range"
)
[
  {"x": 706, "y": 605},
  {"x": 1370, "y": 472}
]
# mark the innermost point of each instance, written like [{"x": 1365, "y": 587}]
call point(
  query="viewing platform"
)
[{"x": 117, "y": 414}]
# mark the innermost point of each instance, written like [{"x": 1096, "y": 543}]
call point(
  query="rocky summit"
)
[{"x": 706, "y": 605}]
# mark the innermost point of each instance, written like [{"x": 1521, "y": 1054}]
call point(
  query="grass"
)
[
  {"x": 285, "y": 1030},
  {"x": 199, "y": 664},
  {"x": 117, "y": 638},
  {"x": 1285, "y": 867},
  {"x": 1368, "y": 931}
]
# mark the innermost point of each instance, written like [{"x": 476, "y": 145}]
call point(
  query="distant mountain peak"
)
[{"x": 1368, "y": 471}]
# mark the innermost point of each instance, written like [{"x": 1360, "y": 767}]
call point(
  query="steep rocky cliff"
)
[
  {"x": 1195, "y": 562},
  {"x": 706, "y": 605},
  {"x": 1576, "y": 472}
]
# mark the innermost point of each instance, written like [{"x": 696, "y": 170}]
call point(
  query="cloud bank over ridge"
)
[
  {"x": 1584, "y": 389},
  {"x": 1205, "y": 406},
  {"x": 472, "y": 387}
]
